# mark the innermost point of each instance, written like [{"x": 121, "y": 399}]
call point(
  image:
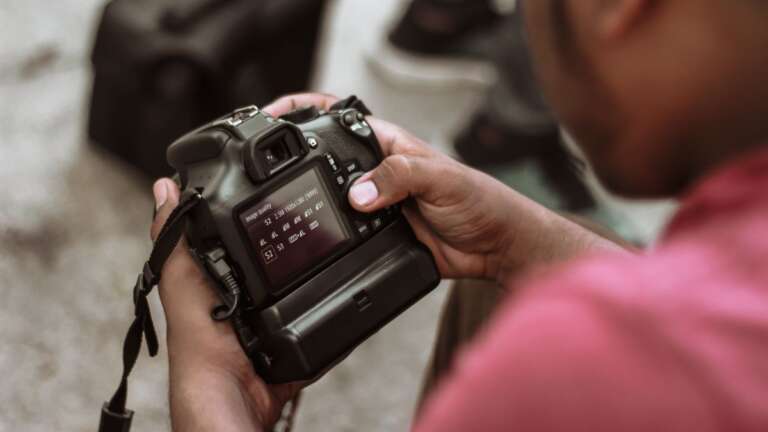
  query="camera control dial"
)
[
  {"x": 354, "y": 121},
  {"x": 350, "y": 181}
]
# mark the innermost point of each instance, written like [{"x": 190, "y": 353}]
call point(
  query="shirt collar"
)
[{"x": 738, "y": 184}]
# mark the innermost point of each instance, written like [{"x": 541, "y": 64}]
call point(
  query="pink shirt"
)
[{"x": 674, "y": 340}]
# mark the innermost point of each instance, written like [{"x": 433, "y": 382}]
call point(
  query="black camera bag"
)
[{"x": 163, "y": 67}]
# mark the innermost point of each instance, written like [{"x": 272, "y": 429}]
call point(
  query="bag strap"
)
[{"x": 114, "y": 415}]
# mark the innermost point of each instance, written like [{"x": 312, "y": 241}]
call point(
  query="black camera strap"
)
[
  {"x": 351, "y": 102},
  {"x": 114, "y": 415}
]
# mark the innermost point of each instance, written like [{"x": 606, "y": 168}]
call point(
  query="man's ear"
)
[{"x": 616, "y": 18}]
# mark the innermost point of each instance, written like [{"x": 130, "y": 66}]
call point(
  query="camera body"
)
[{"x": 306, "y": 278}]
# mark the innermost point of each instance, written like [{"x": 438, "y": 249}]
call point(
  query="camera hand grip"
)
[{"x": 362, "y": 304}]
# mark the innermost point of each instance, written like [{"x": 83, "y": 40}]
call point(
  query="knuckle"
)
[
  {"x": 292, "y": 104},
  {"x": 160, "y": 219},
  {"x": 397, "y": 167},
  {"x": 157, "y": 225},
  {"x": 401, "y": 165},
  {"x": 395, "y": 173},
  {"x": 404, "y": 143}
]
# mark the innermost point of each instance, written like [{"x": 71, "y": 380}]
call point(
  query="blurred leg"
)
[
  {"x": 469, "y": 305},
  {"x": 516, "y": 124}
]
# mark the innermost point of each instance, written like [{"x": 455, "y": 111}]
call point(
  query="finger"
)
[
  {"x": 423, "y": 231},
  {"x": 166, "y": 199},
  {"x": 396, "y": 140},
  {"x": 286, "y": 104},
  {"x": 448, "y": 268},
  {"x": 179, "y": 271},
  {"x": 179, "y": 264},
  {"x": 400, "y": 176},
  {"x": 428, "y": 237}
]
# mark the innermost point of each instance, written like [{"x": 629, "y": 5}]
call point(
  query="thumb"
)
[
  {"x": 395, "y": 179},
  {"x": 166, "y": 199}
]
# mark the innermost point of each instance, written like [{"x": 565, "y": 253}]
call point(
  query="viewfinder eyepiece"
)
[{"x": 266, "y": 155}]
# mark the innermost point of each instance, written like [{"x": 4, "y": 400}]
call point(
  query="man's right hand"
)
[
  {"x": 475, "y": 226},
  {"x": 461, "y": 214}
]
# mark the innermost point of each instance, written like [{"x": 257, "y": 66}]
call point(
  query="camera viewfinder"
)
[{"x": 266, "y": 156}]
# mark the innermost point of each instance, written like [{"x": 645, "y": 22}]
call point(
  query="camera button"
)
[
  {"x": 361, "y": 129},
  {"x": 341, "y": 181},
  {"x": 332, "y": 162},
  {"x": 377, "y": 222},
  {"x": 349, "y": 118},
  {"x": 269, "y": 254},
  {"x": 350, "y": 181},
  {"x": 351, "y": 167},
  {"x": 363, "y": 229}
]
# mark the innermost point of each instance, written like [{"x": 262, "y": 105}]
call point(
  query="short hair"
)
[{"x": 561, "y": 24}]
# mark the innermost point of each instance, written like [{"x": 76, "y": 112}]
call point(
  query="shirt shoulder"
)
[
  {"x": 604, "y": 343},
  {"x": 673, "y": 340}
]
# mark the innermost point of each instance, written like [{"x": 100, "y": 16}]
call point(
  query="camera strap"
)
[
  {"x": 114, "y": 415},
  {"x": 351, "y": 102}
]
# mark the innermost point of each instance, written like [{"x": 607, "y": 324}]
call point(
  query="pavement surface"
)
[{"x": 74, "y": 233}]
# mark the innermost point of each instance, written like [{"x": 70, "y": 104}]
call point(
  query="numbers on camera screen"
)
[
  {"x": 298, "y": 219},
  {"x": 268, "y": 253},
  {"x": 294, "y": 227}
]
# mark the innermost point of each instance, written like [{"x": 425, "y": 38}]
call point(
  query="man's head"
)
[{"x": 656, "y": 92}]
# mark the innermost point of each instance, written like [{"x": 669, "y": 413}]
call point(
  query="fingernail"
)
[
  {"x": 160, "y": 190},
  {"x": 364, "y": 193}
]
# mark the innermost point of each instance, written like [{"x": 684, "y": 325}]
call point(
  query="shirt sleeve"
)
[{"x": 566, "y": 363}]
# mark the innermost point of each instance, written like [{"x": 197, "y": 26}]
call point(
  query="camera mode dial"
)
[
  {"x": 351, "y": 181},
  {"x": 354, "y": 121}
]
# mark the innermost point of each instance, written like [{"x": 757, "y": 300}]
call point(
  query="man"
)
[{"x": 667, "y": 98}]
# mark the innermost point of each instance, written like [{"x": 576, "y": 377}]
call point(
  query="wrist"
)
[
  {"x": 216, "y": 392},
  {"x": 536, "y": 236},
  {"x": 206, "y": 398}
]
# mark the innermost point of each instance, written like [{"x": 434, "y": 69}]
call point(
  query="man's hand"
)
[
  {"x": 475, "y": 226},
  {"x": 212, "y": 384}
]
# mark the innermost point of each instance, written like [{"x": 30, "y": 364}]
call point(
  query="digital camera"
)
[{"x": 303, "y": 277}]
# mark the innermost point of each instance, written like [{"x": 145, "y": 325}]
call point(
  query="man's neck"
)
[{"x": 710, "y": 158}]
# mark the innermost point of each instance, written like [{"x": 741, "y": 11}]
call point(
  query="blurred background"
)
[{"x": 83, "y": 126}]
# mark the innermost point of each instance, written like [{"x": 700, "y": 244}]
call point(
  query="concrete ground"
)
[{"x": 73, "y": 234}]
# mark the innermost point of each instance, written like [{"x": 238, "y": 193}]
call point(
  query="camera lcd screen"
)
[{"x": 294, "y": 228}]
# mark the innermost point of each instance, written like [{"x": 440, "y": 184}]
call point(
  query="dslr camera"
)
[{"x": 302, "y": 276}]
